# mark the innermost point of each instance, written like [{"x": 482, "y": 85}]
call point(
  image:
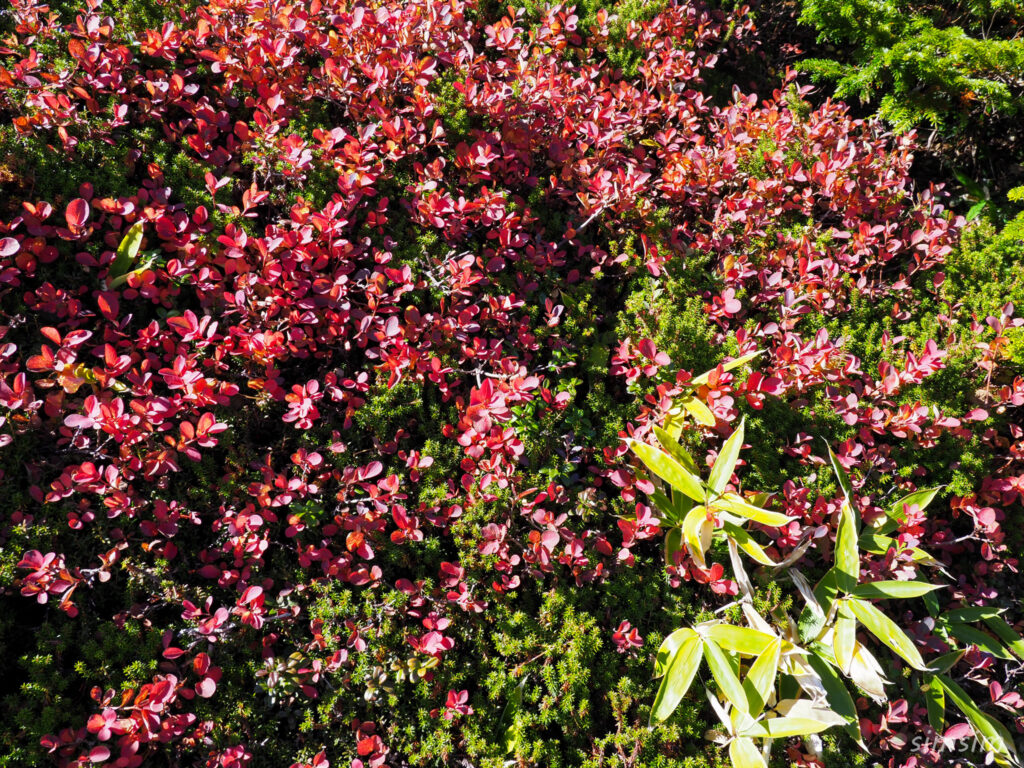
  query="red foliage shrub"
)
[{"x": 340, "y": 200}]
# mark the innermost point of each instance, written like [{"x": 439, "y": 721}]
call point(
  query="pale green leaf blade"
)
[
  {"x": 893, "y": 590},
  {"x": 973, "y": 636},
  {"x": 668, "y": 469},
  {"x": 675, "y": 450},
  {"x": 698, "y": 410},
  {"x": 838, "y": 696},
  {"x": 935, "y": 699},
  {"x": 743, "y": 753},
  {"x": 1007, "y": 634},
  {"x": 681, "y": 670},
  {"x": 875, "y": 543},
  {"x": 126, "y": 252},
  {"x": 992, "y": 733},
  {"x": 668, "y": 648},
  {"x": 922, "y": 498},
  {"x": 703, "y": 378},
  {"x": 114, "y": 282},
  {"x": 841, "y": 476},
  {"x": 673, "y": 543},
  {"x": 885, "y": 629},
  {"x": 733, "y": 503},
  {"x": 724, "y": 675},
  {"x": 844, "y": 640},
  {"x": 760, "y": 679},
  {"x": 666, "y": 510},
  {"x": 781, "y": 727},
  {"x": 697, "y": 532},
  {"x": 970, "y": 614},
  {"x": 742, "y": 640},
  {"x": 847, "y": 554},
  {"x": 747, "y": 543},
  {"x": 725, "y": 464}
]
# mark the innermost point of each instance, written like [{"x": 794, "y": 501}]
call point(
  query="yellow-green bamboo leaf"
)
[
  {"x": 743, "y": 753},
  {"x": 885, "y": 629},
  {"x": 668, "y": 469},
  {"x": 725, "y": 464}
]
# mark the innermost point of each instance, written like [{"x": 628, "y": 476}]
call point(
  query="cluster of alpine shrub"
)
[
  {"x": 342, "y": 345},
  {"x": 953, "y": 67}
]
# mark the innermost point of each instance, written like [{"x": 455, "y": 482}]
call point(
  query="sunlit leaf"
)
[
  {"x": 935, "y": 700},
  {"x": 673, "y": 543},
  {"x": 818, "y": 603},
  {"x": 760, "y": 679},
  {"x": 945, "y": 662},
  {"x": 993, "y": 734},
  {"x": 725, "y": 464},
  {"x": 668, "y": 469},
  {"x": 844, "y": 639},
  {"x": 1006, "y": 634},
  {"x": 780, "y": 727},
  {"x": 743, "y": 753},
  {"x": 738, "y": 506},
  {"x": 970, "y": 614},
  {"x": 682, "y": 668},
  {"x": 741, "y": 640},
  {"x": 808, "y": 709},
  {"x": 838, "y": 696},
  {"x": 885, "y": 629},
  {"x": 722, "y": 671},
  {"x": 921, "y": 498},
  {"x": 972, "y": 636},
  {"x": 867, "y": 674},
  {"x": 667, "y": 512},
  {"x": 698, "y": 410},
  {"x": 847, "y": 555},
  {"x": 675, "y": 450},
  {"x": 878, "y": 544},
  {"x": 893, "y": 589},
  {"x": 747, "y": 543},
  {"x": 841, "y": 476},
  {"x": 703, "y": 378},
  {"x": 697, "y": 533},
  {"x": 739, "y": 572},
  {"x": 127, "y": 251},
  {"x": 668, "y": 648}
]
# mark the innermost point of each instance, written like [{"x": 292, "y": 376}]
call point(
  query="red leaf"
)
[
  {"x": 99, "y": 754},
  {"x": 206, "y": 687},
  {"x": 77, "y": 213}
]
